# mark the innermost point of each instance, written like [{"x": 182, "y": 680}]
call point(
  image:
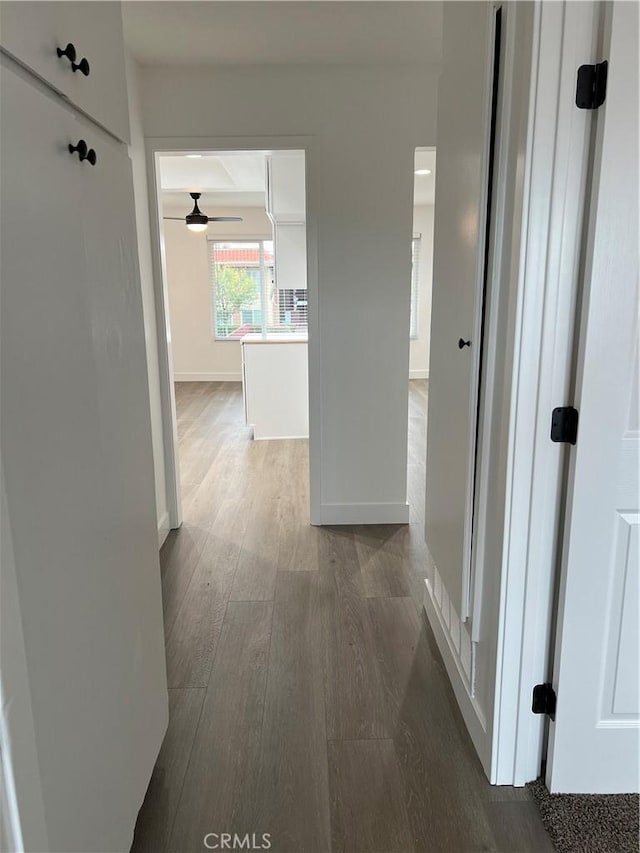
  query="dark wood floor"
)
[{"x": 307, "y": 697}]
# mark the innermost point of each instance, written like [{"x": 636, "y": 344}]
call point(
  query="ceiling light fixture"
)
[
  {"x": 194, "y": 156},
  {"x": 422, "y": 172},
  {"x": 197, "y": 220}
]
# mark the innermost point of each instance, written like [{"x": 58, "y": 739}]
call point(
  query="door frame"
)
[
  {"x": 156, "y": 147},
  {"x": 541, "y": 178},
  {"x": 556, "y": 175}
]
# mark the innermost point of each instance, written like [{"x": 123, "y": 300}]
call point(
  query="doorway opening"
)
[
  {"x": 232, "y": 235},
  {"x": 420, "y": 332}
]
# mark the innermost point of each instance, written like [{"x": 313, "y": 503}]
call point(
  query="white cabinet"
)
[
  {"x": 290, "y": 246},
  {"x": 275, "y": 384},
  {"x": 286, "y": 207},
  {"x": 32, "y": 32},
  {"x": 286, "y": 187},
  {"x": 76, "y": 454}
]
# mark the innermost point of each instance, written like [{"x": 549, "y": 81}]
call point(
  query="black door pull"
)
[
  {"x": 84, "y": 153},
  {"x": 462, "y": 343},
  {"x": 82, "y": 66},
  {"x": 70, "y": 53}
]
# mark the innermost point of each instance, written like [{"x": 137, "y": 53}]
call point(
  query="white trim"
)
[
  {"x": 469, "y": 709},
  {"x": 364, "y": 513},
  {"x": 229, "y": 376},
  {"x": 418, "y": 374},
  {"x": 163, "y": 529},
  {"x": 551, "y": 232},
  {"x": 165, "y": 360},
  {"x": 476, "y": 351},
  {"x": 155, "y": 146}
]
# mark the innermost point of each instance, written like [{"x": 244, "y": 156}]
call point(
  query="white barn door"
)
[{"x": 594, "y": 741}]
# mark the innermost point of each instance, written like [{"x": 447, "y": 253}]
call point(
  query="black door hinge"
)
[
  {"x": 564, "y": 424},
  {"x": 544, "y": 700},
  {"x": 591, "y": 89}
]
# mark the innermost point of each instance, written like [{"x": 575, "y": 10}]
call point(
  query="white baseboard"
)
[
  {"x": 418, "y": 374},
  {"x": 471, "y": 713},
  {"x": 280, "y": 437},
  {"x": 364, "y": 513},
  {"x": 208, "y": 377},
  {"x": 163, "y": 529}
]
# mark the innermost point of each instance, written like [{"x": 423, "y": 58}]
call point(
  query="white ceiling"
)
[
  {"x": 238, "y": 171},
  {"x": 225, "y": 180},
  {"x": 238, "y": 179},
  {"x": 277, "y": 33}
]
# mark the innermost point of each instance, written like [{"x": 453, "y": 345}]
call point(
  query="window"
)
[
  {"x": 415, "y": 273},
  {"x": 244, "y": 297}
]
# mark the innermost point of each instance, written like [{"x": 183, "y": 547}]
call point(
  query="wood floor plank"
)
[
  {"x": 441, "y": 775},
  {"x": 298, "y": 541},
  {"x": 179, "y": 557},
  {"x": 255, "y": 577},
  {"x": 158, "y": 811},
  {"x": 191, "y": 645},
  {"x": 382, "y": 559},
  {"x": 292, "y": 794},
  {"x": 353, "y": 687},
  {"x": 329, "y": 720},
  {"x": 219, "y": 787},
  {"x": 368, "y": 813},
  {"x": 518, "y": 829}
]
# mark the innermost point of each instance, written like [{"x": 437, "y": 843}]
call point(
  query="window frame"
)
[{"x": 212, "y": 240}]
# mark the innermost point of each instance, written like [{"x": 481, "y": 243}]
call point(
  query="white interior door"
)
[
  {"x": 594, "y": 741},
  {"x": 463, "y": 127}
]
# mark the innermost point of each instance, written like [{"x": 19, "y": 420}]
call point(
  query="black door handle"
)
[
  {"x": 84, "y": 153},
  {"x": 462, "y": 343},
  {"x": 82, "y": 66},
  {"x": 70, "y": 53}
]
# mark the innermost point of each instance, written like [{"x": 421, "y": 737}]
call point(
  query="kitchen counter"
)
[
  {"x": 275, "y": 385},
  {"x": 258, "y": 338}
]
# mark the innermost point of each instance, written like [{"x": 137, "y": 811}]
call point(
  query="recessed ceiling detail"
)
[{"x": 234, "y": 179}]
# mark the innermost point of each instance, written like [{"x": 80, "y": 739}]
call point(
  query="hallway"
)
[{"x": 307, "y": 697}]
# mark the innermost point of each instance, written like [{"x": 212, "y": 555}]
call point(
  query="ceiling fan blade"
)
[
  {"x": 225, "y": 219},
  {"x": 174, "y": 218}
]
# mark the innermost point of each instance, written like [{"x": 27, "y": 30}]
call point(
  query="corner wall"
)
[{"x": 363, "y": 125}]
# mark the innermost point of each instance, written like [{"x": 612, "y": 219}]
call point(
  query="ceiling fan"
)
[{"x": 197, "y": 220}]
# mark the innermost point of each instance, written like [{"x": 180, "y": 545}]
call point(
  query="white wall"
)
[
  {"x": 196, "y": 355},
  {"x": 363, "y": 125},
  {"x": 138, "y": 165},
  {"x": 419, "y": 347}
]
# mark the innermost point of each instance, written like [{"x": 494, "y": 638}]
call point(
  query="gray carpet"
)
[{"x": 588, "y": 823}]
